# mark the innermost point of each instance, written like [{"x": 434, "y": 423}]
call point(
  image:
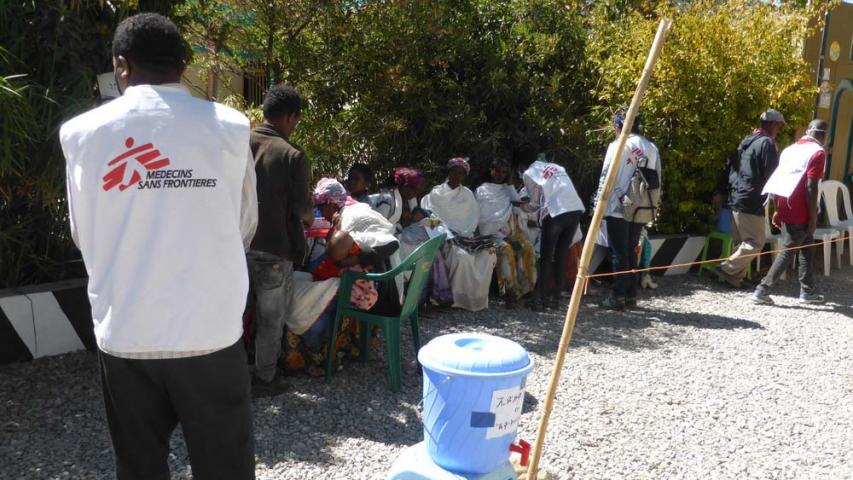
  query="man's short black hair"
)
[
  {"x": 152, "y": 42},
  {"x": 282, "y": 100},
  {"x": 619, "y": 120},
  {"x": 363, "y": 169},
  {"x": 499, "y": 163},
  {"x": 525, "y": 155}
]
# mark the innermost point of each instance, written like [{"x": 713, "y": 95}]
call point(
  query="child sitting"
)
[{"x": 342, "y": 254}]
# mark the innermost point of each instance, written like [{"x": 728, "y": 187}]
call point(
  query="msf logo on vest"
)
[{"x": 131, "y": 166}]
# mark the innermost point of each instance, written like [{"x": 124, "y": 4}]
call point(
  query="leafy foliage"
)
[
  {"x": 52, "y": 53},
  {"x": 724, "y": 63},
  {"x": 394, "y": 82}
]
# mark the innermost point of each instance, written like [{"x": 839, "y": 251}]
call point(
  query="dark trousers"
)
[
  {"x": 795, "y": 236},
  {"x": 623, "y": 237},
  {"x": 557, "y": 234},
  {"x": 208, "y": 395}
]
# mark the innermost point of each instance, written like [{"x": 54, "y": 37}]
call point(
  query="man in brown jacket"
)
[{"x": 285, "y": 208}]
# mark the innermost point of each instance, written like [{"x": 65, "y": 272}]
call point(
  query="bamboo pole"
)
[{"x": 589, "y": 246}]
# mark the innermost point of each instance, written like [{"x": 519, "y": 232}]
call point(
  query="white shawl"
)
[
  {"x": 456, "y": 207},
  {"x": 495, "y": 207},
  {"x": 310, "y": 299},
  {"x": 367, "y": 227},
  {"x": 370, "y": 229}
]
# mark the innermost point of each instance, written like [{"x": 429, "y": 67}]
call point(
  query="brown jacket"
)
[{"x": 284, "y": 195}]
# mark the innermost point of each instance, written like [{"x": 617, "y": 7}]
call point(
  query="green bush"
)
[
  {"x": 394, "y": 82},
  {"x": 52, "y": 53},
  {"x": 723, "y": 64}
]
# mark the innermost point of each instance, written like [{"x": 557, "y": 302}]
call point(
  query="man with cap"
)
[
  {"x": 748, "y": 170},
  {"x": 795, "y": 187}
]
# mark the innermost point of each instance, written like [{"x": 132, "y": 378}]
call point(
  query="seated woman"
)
[
  {"x": 305, "y": 346},
  {"x": 396, "y": 201},
  {"x": 516, "y": 267},
  {"x": 367, "y": 244},
  {"x": 470, "y": 258}
]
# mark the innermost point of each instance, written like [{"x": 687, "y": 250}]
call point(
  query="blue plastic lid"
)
[{"x": 475, "y": 355}]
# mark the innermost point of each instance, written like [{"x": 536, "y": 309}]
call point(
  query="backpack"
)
[{"x": 641, "y": 203}]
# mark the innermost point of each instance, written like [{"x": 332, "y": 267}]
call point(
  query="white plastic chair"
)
[
  {"x": 826, "y": 235},
  {"x": 829, "y": 192}
]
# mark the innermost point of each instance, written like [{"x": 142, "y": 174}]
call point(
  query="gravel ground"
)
[{"x": 698, "y": 383}]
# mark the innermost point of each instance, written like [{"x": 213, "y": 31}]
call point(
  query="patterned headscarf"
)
[
  {"x": 407, "y": 177},
  {"x": 332, "y": 191},
  {"x": 459, "y": 162}
]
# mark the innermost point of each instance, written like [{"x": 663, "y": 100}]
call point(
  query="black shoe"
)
[
  {"x": 554, "y": 304},
  {"x": 276, "y": 387},
  {"x": 613, "y": 303},
  {"x": 533, "y": 304},
  {"x": 630, "y": 302}
]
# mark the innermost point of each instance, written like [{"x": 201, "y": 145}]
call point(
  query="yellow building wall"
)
[
  {"x": 228, "y": 83},
  {"x": 837, "y": 67}
]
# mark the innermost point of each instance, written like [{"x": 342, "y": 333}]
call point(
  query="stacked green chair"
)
[{"x": 419, "y": 263}]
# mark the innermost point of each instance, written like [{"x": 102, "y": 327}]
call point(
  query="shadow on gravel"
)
[
  {"x": 51, "y": 412},
  {"x": 826, "y": 307}
]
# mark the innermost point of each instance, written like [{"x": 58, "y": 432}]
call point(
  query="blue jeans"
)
[
  {"x": 623, "y": 237},
  {"x": 272, "y": 282}
]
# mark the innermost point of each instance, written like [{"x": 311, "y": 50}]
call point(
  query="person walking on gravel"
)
[
  {"x": 795, "y": 186},
  {"x": 748, "y": 171},
  {"x": 162, "y": 204}
]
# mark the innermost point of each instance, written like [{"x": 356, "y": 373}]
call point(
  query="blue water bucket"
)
[{"x": 473, "y": 396}]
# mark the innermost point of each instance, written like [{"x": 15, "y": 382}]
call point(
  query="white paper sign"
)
[
  {"x": 107, "y": 85},
  {"x": 825, "y": 100},
  {"x": 825, "y": 95},
  {"x": 506, "y": 405}
]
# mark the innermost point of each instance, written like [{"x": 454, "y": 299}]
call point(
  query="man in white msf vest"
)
[
  {"x": 795, "y": 184},
  {"x": 162, "y": 204}
]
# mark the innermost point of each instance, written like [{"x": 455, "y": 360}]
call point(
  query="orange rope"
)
[{"x": 586, "y": 278}]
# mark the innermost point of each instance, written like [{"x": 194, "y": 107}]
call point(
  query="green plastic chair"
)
[
  {"x": 726, "y": 242},
  {"x": 419, "y": 263}
]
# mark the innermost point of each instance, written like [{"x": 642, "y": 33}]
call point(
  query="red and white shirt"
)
[
  {"x": 162, "y": 204},
  {"x": 805, "y": 159}
]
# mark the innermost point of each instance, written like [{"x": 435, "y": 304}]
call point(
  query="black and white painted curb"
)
[
  {"x": 45, "y": 320},
  {"x": 56, "y": 318},
  {"x": 666, "y": 251}
]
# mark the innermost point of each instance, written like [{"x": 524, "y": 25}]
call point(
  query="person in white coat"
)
[
  {"x": 623, "y": 234},
  {"x": 162, "y": 204},
  {"x": 554, "y": 197}
]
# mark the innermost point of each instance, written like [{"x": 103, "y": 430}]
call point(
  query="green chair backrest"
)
[{"x": 420, "y": 264}]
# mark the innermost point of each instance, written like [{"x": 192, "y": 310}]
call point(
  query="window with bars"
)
[{"x": 255, "y": 85}]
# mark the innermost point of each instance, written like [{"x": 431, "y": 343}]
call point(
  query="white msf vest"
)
[{"x": 792, "y": 166}]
